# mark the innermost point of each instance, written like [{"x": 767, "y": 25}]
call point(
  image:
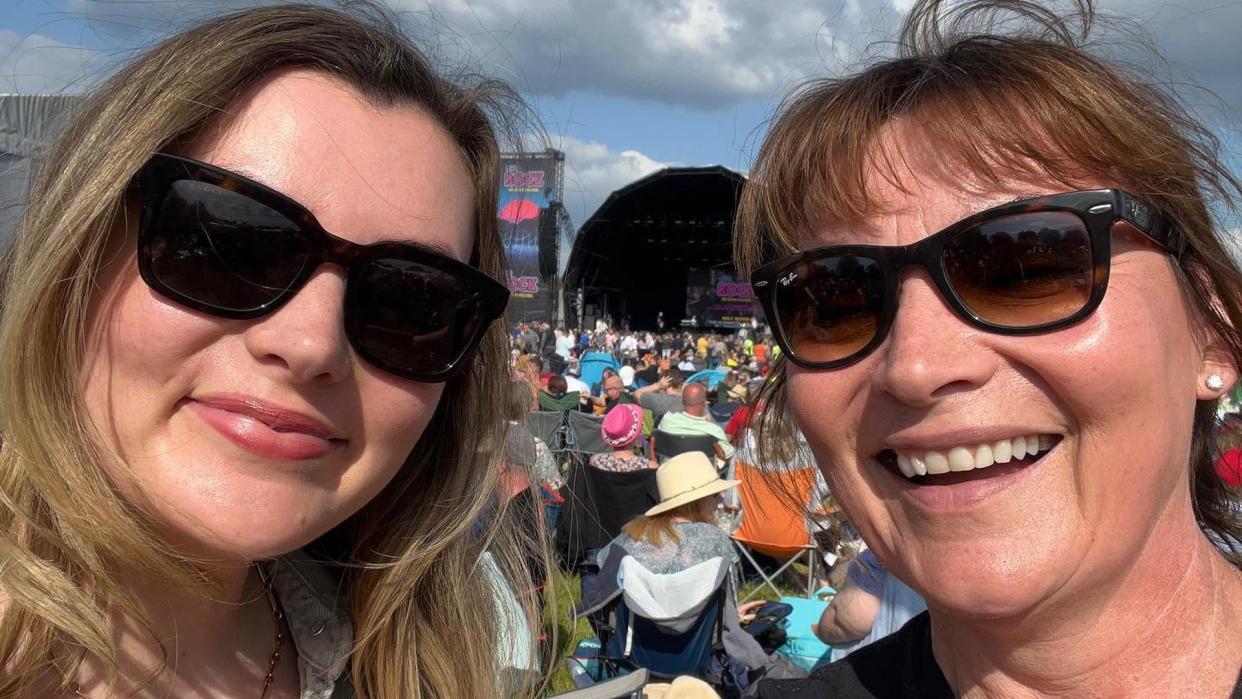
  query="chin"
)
[{"x": 247, "y": 534}]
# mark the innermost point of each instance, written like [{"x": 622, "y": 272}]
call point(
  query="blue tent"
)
[
  {"x": 593, "y": 365},
  {"x": 711, "y": 377}
]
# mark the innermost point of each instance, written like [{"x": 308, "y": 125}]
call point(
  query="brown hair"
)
[
  {"x": 425, "y": 623},
  {"x": 971, "y": 63},
  {"x": 655, "y": 528}
]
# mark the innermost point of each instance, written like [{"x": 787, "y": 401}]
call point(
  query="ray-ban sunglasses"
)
[
  {"x": 219, "y": 243},
  {"x": 1027, "y": 267}
]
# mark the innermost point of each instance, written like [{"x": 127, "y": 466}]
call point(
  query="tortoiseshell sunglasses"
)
[
  {"x": 220, "y": 243},
  {"x": 1026, "y": 267}
]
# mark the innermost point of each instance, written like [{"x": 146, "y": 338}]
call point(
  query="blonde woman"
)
[{"x": 251, "y": 307}]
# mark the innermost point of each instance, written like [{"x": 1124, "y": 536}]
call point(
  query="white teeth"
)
[
  {"x": 936, "y": 462},
  {"x": 983, "y": 456},
  {"x": 960, "y": 459},
  {"x": 966, "y": 458},
  {"x": 919, "y": 466},
  {"x": 1019, "y": 447},
  {"x": 1002, "y": 451},
  {"x": 903, "y": 463}
]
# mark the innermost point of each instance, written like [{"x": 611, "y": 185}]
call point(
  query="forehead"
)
[
  {"x": 920, "y": 184},
  {"x": 367, "y": 173}
]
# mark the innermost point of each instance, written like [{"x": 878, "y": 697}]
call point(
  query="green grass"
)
[{"x": 559, "y": 624}]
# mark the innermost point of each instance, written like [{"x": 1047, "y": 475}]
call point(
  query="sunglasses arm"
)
[{"x": 1149, "y": 222}]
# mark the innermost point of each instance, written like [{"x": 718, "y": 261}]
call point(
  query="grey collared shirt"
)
[{"x": 316, "y": 611}]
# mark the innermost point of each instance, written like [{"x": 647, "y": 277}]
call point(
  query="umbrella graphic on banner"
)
[{"x": 519, "y": 210}]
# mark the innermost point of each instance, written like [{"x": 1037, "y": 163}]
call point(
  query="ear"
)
[{"x": 1217, "y": 362}]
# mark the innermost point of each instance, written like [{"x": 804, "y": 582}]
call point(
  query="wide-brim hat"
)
[
  {"x": 622, "y": 425},
  {"x": 686, "y": 478}
]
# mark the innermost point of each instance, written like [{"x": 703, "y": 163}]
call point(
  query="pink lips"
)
[{"x": 265, "y": 429}]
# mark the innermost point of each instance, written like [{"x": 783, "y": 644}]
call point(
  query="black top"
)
[{"x": 898, "y": 665}]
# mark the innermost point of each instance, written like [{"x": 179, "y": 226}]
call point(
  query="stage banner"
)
[
  {"x": 528, "y": 191},
  {"x": 718, "y": 299}
]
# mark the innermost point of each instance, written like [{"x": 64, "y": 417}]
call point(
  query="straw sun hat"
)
[{"x": 686, "y": 478}]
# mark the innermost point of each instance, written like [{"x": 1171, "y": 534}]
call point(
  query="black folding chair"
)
[{"x": 666, "y": 446}]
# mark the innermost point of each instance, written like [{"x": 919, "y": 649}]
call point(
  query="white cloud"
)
[
  {"x": 698, "y": 53},
  {"x": 593, "y": 171},
  {"x": 36, "y": 63}
]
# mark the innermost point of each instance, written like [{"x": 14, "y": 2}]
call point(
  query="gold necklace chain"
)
[{"x": 277, "y": 615}]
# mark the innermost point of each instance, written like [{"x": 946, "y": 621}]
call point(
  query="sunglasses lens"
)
[
  {"x": 1024, "y": 270},
  {"x": 222, "y": 249},
  {"x": 409, "y": 318},
  {"x": 829, "y": 308}
]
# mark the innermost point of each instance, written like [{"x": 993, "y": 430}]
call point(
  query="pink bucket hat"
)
[{"x": 622, "y": 425}]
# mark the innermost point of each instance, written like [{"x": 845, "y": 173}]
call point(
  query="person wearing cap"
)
[
  {"x": 627, "y": 376},
  {"x": 680, "y": 532},
  {"x": 622, "y": 427}
]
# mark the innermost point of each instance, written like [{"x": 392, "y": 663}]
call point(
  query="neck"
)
[
  {"x": 695, "y": 410},
  {"x": 215, "y": 643},
  {"x": 1166, "y": 627}
]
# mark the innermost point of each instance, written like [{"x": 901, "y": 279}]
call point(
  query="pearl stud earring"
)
[{"x": 1215, "y": 382}]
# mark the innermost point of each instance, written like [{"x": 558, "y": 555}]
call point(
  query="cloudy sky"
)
[{"x": 624, "y": 88}]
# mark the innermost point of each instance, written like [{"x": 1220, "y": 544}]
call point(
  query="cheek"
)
[
  {"x": 141, "y": 353},
  {"x": 823, "y": 406},
  {"x": 395, "y": 413}
]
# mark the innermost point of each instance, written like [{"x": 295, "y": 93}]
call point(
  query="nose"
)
[
  {"x": 306, "y": 337},
  {"x": 930, "y": 352}
]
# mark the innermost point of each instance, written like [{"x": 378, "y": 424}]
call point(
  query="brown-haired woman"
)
[
  {"x": 252, "y": 302},
  {"x": 932, "y": 239}
]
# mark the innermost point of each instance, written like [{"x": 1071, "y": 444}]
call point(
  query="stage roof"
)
[
  {"x": 676, "y": 217},
  {"x": 632, "y": 256}
]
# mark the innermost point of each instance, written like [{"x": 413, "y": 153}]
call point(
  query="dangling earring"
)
[{"x": 1215, "y": 382}]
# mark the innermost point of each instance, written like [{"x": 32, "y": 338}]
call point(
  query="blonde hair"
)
[
  {"x": 424, "y": 617},
  {"x": 981, "y": 63},
  {"x": 656, "y": 528}
]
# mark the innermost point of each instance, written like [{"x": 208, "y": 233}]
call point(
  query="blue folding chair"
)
[{"x": 636, "y": 642}]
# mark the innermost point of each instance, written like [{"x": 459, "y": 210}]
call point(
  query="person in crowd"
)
[
  {"x": 687, "y": 363},
  {"x": 537, "y": 463},
  {"x": 626, "y": 373},
  {"x": 615, "y": 392},
  {"x": 622, "y": 427},
  {"x": 1037, "y": 314},
  {"x": 558, "y": 397},
  {"x": 575, "y": 384},
  {"x": 564, "y": 343},
  {"x": 667, "y": 396},
  {"x": 869, "y": 605},
  {"x": 251, "y": 368},
  {"x": 739, "y": 392},
  {"x": 693, "y": 419},
  {"x": 680, "y": 532}
]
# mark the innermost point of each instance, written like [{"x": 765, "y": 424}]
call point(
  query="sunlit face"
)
[
  {"x": 173, "y": 390},
  {"x": 1112, "y": 396}
]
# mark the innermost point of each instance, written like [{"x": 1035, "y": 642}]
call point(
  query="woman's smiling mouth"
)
[{"x": 967, "y": 473}]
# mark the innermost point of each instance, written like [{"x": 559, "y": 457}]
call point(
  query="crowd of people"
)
[{"x": 264, "y": 427}]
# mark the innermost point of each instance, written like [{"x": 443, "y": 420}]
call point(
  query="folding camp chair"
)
[
  {"x": 771, "y": 525},
  {"x": 639, "y": 626},
  {"x": 597, "y": 504},
  {"x": 665, "y": 446},
  {"x": 624, "y": 687}
]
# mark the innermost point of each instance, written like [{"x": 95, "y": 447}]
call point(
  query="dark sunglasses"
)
[
  {"x": 219, "y": 243},
  {"x": 1026, "y": 267}
]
